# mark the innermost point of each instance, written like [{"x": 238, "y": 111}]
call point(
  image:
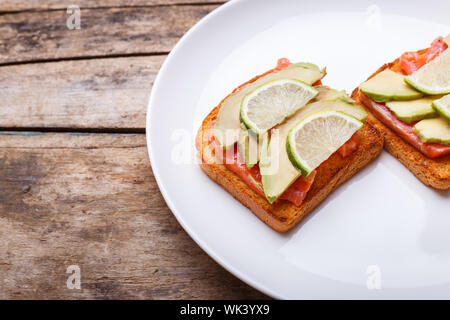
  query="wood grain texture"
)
[
  {"x": 98, "y": 93},
  {"x": 91, "y": 200},
  {"x": 37, "y": 36},
  {"x": 18, "y": 5}
]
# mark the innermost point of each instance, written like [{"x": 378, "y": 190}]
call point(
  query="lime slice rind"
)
[
  {"x": 273, "y": 102},
  {"x": 317, "y": 137},
  {"x": 442, "y": 106},
  {"x": 425, "y": 89},
  {"x": 304, "y": 169}
]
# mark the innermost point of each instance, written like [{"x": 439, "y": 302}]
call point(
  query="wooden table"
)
[{"x": 76, "y": 186}]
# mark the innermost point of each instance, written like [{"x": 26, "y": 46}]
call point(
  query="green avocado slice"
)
[
  {"x": 433, "y": 130},
  {"x": 387, "y": 86},
  {"x": 227, "y": 126},
  {"x": 413, "y": 110},
  {"x": 248, "y": 146}
]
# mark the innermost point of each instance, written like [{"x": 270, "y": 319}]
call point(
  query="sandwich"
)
[
  {"x": 282, "y": 142},
  {"x": 408, "y": 101}
]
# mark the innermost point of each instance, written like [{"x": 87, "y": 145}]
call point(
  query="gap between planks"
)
[
  {"x": 77, "y": 58},
  {"x": 31, "y": 130},
  {"x": 175, "y": 4}
]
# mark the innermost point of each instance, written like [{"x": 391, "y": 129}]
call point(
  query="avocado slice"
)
[
  {"x": 227, "y": 126},
  {"x": 248, "y": 146},
  {"x": 327, "y": 93},
  {"x": 414, "y": 110},
  {"x": 277, "y": 171},
  {"x": 338, "y": 100},
  {"x": 387, "y": 86},
  {"x": 433, "y": 130}
]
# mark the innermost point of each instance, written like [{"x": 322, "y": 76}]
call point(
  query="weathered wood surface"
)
[
  {"x": 91, "y": 200},
  {"x": 98, "y": 93},
  {"x": 20, "y": 5},
  {"x": 37, "y": 36}
]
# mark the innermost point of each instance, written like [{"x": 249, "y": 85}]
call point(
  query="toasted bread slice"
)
[
  {"x": 432, "y": 172},
  {"x": 283, "y": 215}
]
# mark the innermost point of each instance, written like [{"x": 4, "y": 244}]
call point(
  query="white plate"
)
[{"x": 382, "y": 229}]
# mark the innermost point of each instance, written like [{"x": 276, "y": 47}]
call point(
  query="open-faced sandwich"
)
[
  {"x": 410, "y": 100},
  {"x": 282, "y": 142}
]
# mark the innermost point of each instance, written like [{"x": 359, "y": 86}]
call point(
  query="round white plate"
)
[{"x": 382, "y": 234}]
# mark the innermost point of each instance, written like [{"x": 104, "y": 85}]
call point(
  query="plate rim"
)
[
  {"x": 251, "y": 282},
  {"x": 246, "y": 277}
]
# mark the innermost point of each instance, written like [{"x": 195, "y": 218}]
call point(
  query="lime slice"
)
[
  {"x": 434, "y": 77},
  {"x": 314, "y": 139},
  {"x": 442, "y": 106},
  {"x": 271, "y": 103}
]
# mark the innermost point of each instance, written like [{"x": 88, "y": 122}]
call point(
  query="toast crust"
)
[
  {"x": 432, "y": 172},
  {"x": 283, "y": 215}
]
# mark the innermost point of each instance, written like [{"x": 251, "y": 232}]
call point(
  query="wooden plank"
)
[
  {"x": 92, "y": 201},
  {"x": 18, "y": 5},
  {"x": 37, "y": 36},
  {"x": 99, "y": 93}
]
